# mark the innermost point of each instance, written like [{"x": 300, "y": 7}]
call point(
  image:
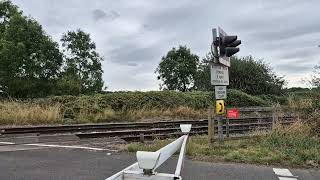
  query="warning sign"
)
[{"x": 232, "y": 113}]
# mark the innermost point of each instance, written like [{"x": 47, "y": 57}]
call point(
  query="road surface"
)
[{"x": 39, "y": 162}]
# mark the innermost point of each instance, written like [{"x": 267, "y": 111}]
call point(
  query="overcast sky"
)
[{"x": 133, "y": 35}]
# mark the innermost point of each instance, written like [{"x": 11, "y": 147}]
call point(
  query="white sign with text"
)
[
  {"x": 219, "y": 75},
  {"x": 220, "y": 92}
]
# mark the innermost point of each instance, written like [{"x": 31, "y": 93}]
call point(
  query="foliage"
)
[
  {"x": 274, "y": 99},
  {"x": 203, "y": 78},
  {"x": 29, "y": 60},
  {"x": 148, "y": 104},
  {"x": 246, "y": 74},
  {"x": 315, "y": 81},
  {"x": 67, "y": 84},
  {"x": 236, "y": 98},
  {"x": 178, "y": 69},
  {"x": 124, "y": 101},
  {"x": 31, "y": 64},
  {"x": 301, "y": 96},
  {"x": 295, "y": 89},
  {"x": 254, "y": 77},
  {"x": 161, "y": 105},
  {"x": 7, "y": 10},
  {"x": 83, "y": 63}
]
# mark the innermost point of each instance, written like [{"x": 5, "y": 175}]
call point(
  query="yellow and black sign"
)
[{"x": 220, "y": 107}]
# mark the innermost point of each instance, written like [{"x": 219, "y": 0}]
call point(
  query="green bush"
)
[
  {"x": 124, "y": 101},
  {"x": 274, "y": 99},
  {"x": 238, "y": 98}
]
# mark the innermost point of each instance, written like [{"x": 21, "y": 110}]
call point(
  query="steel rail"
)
[{"x": 118, "y": 126}]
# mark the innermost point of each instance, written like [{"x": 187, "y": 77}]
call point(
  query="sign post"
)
[{"x": 219, "y": 69}]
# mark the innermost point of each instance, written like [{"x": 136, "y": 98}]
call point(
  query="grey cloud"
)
[
  {"x": 301, "y": 53},
  {"x": 287, "y": 33},
  {"x": 131, "y": 53},
  {"x": 113, "y": 15},
  {"x": 147, "y": 27},
  {"x": 172, "y": 19},
  {"x": 294, "y": 67},
  {"x": 132, "y": 64},
  {"x": 100, "y": 14}
]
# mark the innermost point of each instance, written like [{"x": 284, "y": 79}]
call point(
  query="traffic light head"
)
[{"x": 228, "y": 45}]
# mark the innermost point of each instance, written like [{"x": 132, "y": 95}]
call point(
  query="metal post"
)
[{"x": 217, "y": 117}]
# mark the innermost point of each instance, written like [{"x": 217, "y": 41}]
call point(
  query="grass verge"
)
[
  {"x": 293, "y": 146},
  {"x": 18, "y": 113},
  {"x": 31, "y": 113}
]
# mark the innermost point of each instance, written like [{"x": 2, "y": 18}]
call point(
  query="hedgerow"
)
[{"x": 126, "y": 101}]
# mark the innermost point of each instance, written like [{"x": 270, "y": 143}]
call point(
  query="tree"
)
[
  {"x": 315, "y": 80},
  {"x": 254, "y": 76},
  {"x": 82, "y": 62},
  {"x": 203, "y": 78},
  {"x": 29, "y": 60},
  {"x": 7, "y": 10},
  {"x": 178, "y": 69},
  {"x": 246, "y": 74}
]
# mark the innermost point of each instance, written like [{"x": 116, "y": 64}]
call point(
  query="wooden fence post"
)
[
  {"x": 210, "y": 126},
  {"x": 219, "y": 118},
  {"x": 275, "y": 115},
  {"x": 141, "y": 135},
  {"x": 227, "y": 127}
]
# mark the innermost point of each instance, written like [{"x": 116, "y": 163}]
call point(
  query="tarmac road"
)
[{"x": 22, "y": 162}]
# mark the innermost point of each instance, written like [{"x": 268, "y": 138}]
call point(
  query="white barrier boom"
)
[{"x": 150, "y": 161}]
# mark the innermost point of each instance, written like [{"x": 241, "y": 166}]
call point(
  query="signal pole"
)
[{"x": 220, "y": 76}]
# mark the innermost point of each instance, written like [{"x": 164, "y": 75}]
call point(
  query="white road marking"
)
[
  {"x": 282, "y": 172},
  {"x": 287, "y": 178},
  {"x": 71, "y": 147},
  {"x": 7, "y": 143}
]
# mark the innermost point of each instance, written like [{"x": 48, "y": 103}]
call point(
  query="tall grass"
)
[
  {"x": 19, "y": 113},
  {"x": 108, "y": 114},
  {"x": 28, "y": 113},
  {"x": 296, "y": 145}
]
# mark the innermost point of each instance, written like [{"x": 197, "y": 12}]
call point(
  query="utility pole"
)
[{"x": 222, "y": 48}]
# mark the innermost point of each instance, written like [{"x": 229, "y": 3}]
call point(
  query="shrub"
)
[{"x": 153, "y": 100}]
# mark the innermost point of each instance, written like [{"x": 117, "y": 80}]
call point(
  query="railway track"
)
[{"x": 150, "y": 130}]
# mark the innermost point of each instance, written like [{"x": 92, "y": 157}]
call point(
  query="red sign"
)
[{"x": 232, "y": 113}]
